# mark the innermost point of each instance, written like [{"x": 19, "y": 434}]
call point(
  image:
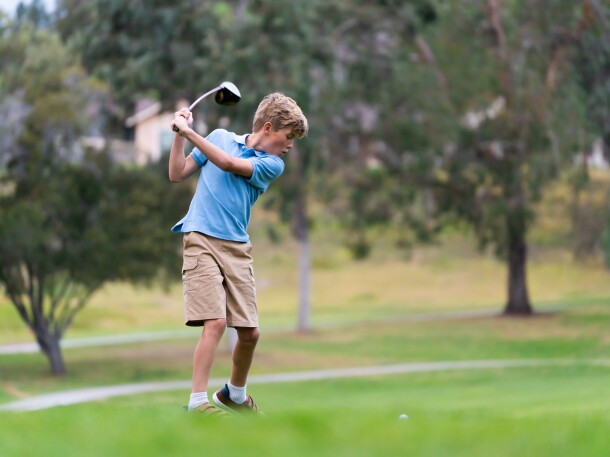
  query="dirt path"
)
[
  {"x": 72, "y": 397},
  {"x": 108, "y": 340}
]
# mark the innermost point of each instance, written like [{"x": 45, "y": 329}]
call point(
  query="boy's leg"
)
[
  {"x": 232, "y": 396},
  {"x": 243, "y": 353},
  {"x": 204, "y": 304},
  {"x": 205, "y": 352},
  {"x": 242, "y": 314}
]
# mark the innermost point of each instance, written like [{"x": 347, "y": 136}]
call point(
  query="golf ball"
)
[{"x": 403, "y": 417}]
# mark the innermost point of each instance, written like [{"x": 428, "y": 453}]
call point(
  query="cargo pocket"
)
[{"x": 189, "y": 267}]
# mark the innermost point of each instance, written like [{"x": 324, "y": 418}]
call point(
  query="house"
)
[{"x": 152, "y": 136}]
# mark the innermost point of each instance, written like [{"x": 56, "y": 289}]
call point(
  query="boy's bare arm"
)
[
  {"x": 213, "y": 153},
  {"x": 180, "y": 167}
]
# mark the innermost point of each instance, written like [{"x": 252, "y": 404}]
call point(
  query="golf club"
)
[{"x": 227, "y": 93}]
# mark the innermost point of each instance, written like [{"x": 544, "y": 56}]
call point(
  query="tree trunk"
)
[
  {"x": 49, "y": 345},
  {"x": 301, "y": 231},
  {"x": 304, "y": 323},
  {"x": 518, "y": 297}
]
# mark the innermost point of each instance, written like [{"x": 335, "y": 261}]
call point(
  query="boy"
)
[{"x": 217, "y": 273}]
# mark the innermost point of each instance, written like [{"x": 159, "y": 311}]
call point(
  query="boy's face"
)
[{"x": 277, "y": 142}]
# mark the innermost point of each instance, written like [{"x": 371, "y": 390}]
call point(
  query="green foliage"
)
[
  {"x": 479, "y": 109},
  {"x": 167, "y": 50},
  {"x": 71, "y": 221},
  {"x": 589, "y": 213},
  {"x": 491, "y": 171},
  {"x": 139, "y": 208},
  {"x": 592, "y": 63},
  {"x": 85, "y": 225}
]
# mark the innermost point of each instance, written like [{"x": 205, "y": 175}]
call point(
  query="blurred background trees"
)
[
  {"x": 71, "y": 221},
  {"x": 503, "y": 119},
  {"x": 424, "y": 115}
]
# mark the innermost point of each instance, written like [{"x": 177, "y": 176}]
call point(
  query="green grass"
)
[{"x": 525, "y": 412}]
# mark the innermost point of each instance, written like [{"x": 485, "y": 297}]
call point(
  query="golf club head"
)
[{"x": 227, "y": 94}]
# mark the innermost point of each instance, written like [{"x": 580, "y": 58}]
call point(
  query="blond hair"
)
[{"x": 283, "y": 112}]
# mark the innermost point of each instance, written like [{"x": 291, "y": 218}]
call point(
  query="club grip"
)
[{"x": 175, "y": 129}]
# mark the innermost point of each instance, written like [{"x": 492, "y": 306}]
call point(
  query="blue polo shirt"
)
[{"x": 222, "y": 202}]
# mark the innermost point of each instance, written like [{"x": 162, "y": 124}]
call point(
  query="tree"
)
[
  {"x": 70, "y": 220},
  {"x": 515, "y": 119},
  {"x": 476, "y": 112},
  {"x": 87, "y": 225},
  {"x": 370, "y": 92},
  {"x": 592, "y": 63}
]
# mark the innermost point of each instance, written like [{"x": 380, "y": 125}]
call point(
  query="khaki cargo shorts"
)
[{"x": 218, "y": 281}]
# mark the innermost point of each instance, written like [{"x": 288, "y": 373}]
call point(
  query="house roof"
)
[{"x": 145, "y": 109}]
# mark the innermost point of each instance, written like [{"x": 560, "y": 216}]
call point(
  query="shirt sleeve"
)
[
  {"x": 265, "y": 170},
  {"x": 198, "y": 156}
]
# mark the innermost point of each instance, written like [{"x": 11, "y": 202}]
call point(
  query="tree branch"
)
[
  {"x": 63, "y": 310},
  {"x": 493, "y": 10},
  {"x": 496, "y": 23},
  {"x": 36, "y": 307},
  {"x": 56, "y": 299},
  {"x": 68, "y": 314},
  {"x": 21, "y": 308},
  {"x": 430, "y": 59},
  {"x": 587, "y": 18}
]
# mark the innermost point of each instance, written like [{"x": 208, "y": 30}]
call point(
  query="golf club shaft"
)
[
  {"x": 176, "y": 129},
  {"x": 194, "y": 104}
]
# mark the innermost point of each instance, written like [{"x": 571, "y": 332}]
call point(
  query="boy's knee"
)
[
  {"x": 215, "y": 326},
  {"x": 248, "y": 335}
]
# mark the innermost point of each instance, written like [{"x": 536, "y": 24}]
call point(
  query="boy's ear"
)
[{"x": 267, "y": 127}]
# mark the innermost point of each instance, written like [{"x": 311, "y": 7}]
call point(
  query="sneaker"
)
[
  {"x": 208, "y": 410},
  {"x": 222, "y": 400}
]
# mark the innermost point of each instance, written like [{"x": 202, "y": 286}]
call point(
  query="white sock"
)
[
  {"x": 197, "y": 399},
  {"x": 237, "y": 394}
]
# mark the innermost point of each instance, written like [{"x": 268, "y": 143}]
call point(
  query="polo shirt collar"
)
[{"x": 241, "y": 139}]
